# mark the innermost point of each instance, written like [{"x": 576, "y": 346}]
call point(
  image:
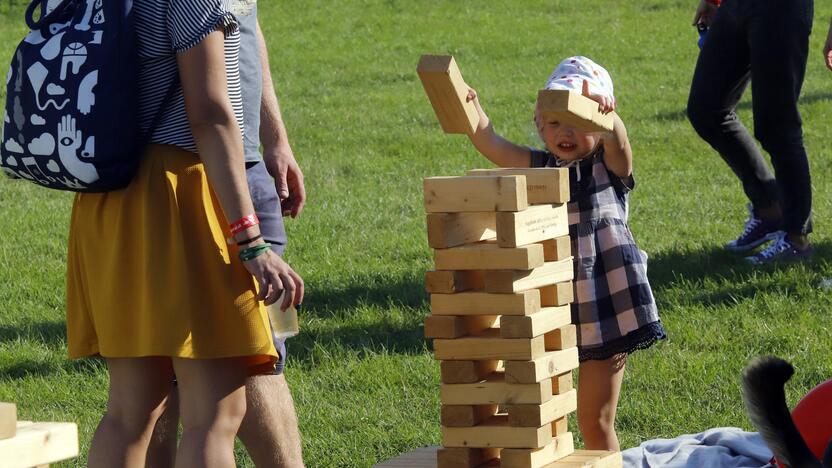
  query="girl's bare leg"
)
[{"x": 599, "y": 386}]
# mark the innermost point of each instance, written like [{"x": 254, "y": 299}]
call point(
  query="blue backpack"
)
[{"x": 71, "y": 117}]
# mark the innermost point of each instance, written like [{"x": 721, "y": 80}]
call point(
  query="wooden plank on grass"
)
[
  {"x": 489, "y": 256},
  {"x": 448, "y": 93},
  {"x": 557, "y": 295},
  {"x": 535, "y": 224},
  {"x": 454, "y": 372},
  {"x": 551, "y": 364},
  {"x": 529, "y": 326},
  {"x": 543, "y": 184},
  {"x": 40, "y": 443},
  {"x": 496, "y": 432},
  {"x": 475, "y": 193},
  {"x": 477, "y": 303},
  {"x": 466, "y": 415},
  {"x": 488, "y": 346},
  {"x": 590, "y": 459},
  {"x": 537, "y": 415},
  {"x": 459, "y": 457},
  {"x": 510, "y": 281},
  {"x": 560, "y": 447},
  {"x": 451, "y": 326},
  {"x": 8, "y": 420},
  {"x": 449, "y": 282},
  {"x": 556, "y": 249},
  {"x": 573, "y": 109},
  {"x": 453, "y": 229},
  {"x": 495, "y": 390},
  {"x": 564, "y": 337}
]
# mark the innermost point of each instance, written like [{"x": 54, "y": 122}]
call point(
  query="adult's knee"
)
[
  {"x": 134, "y": 417},
  {"x": 704, "y": 120},
  {"x": 779, "y": 141},
  {"x": 223, "y": 416}
]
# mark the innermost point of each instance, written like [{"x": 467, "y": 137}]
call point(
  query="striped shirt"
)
[{"x": 165, "y": 28}]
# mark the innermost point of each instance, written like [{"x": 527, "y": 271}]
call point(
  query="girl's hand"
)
[
  {"x": 273, "y": 275},
  {"x": 705, "y": 13},
  {"x": 472, "y": 97},
  {"x": 605, "y": 104}
]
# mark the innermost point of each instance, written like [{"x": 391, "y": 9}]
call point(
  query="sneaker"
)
[
  {"x": 755, "y": 233},
  {"x": 781, "y": 251}
]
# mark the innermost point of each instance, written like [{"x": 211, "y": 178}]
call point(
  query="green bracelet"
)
[{"x": 251, "y": 253}]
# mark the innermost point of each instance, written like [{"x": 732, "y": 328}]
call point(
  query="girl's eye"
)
[{"x": 554, "y": 123}]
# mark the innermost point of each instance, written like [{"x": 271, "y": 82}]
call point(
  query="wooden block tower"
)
[{"x": 500, "y": 319}]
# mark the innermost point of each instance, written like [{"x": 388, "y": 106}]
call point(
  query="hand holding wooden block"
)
[
  {"x": 447, "y": 92},
  {"x": 573, "y": 109}
]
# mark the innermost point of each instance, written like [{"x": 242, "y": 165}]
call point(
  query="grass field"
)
[{"x": 363, "y": 378}]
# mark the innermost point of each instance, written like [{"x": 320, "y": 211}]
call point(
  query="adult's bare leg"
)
[{"x": 270, "y": 428}]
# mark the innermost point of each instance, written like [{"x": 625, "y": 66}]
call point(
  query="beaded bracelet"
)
[{"x": 251, "y": 253}]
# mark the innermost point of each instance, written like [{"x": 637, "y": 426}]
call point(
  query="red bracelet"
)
[
  {"x": 243, "y": 223},
  {"x": 714, "y": 2}
]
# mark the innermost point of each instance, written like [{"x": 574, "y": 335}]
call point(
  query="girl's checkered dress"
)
[{"x": 614, "y": 309}]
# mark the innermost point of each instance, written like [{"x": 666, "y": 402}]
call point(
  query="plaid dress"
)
[{"x": 614, "y": 309}]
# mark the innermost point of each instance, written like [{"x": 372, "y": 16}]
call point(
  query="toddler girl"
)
[{"x": 614, "y": 309}]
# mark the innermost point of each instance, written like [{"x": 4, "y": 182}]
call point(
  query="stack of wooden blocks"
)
[{"x": 500, "y": 318}]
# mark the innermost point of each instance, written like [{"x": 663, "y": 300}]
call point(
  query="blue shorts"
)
[{"x": 267, "y": 206}]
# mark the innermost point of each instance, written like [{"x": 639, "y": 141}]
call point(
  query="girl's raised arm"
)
[{"x": 493, "y": 146}]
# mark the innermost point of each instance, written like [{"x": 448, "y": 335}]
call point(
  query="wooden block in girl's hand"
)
[
  {"x": 551, "y": 364},
  {"x": 452, "y": 326},
  {"x": 512, "y": 281},
  {"x": 529, "y": 326},
  {"x": 475, "y": 193},
  {"x": 454, "y": 372},
  {"x": 496, "y": 432},
  {"x": 573, "y": 109},
  {"x": 490, "y": 256},
  {"x": 557, "y": 295},
  {"x": 537, "y": 415},
  {"x": 535, "y": 224},
  {"x": 494, "y": 390},
  {"x": 561, "y": 446},
  {"x": 488, "y": 346},
  {"x": 543, "y": 184},
  {"x": 449, "y": 282},
  {"x": 8, "y": 420},
  {"x": 448, "y": 94},
  {"x": 453, "y": 229},
  {"x": 477, "y": 303},
  {"x": 463, "y": 457},
  {"x": 466, "y": 415}
]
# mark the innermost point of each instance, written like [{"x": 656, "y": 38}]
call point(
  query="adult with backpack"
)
[{"x": 163, "y": 272}]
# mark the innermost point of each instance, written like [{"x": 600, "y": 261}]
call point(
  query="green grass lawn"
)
[{"x": 363, "y": 378}]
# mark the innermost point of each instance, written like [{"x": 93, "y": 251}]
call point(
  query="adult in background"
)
[
  {"x": 269, "y": 429},
  {"x": 765, "y": 42}
]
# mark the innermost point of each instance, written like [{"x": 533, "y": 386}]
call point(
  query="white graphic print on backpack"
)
[{"x": 58, "y": 108}]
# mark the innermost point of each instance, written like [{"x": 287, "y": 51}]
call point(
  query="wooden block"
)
[
  {"x": 529, "y": 326},
  {"x": 477, "y": 303},
  {"x": 551, "y": 364},
  {"x": 496, "y": 432},
  {"x": 560, "y": 426},
  {"x": 537, "y": 415},
  {"x": 489, "y": 256},
  {"x": 448, "y": 94},
  {"x": 495, "y": 390},
  {"x": 455, "y": 372},
  {"x": 573, "y": 109},
  {"x": 38, "y": 444},
  {"x": 475, "y": 193},
  {"x": 458, "y": 457},
  {"x": 557, "y": 295},
  {"x": 450, "y": 326},
  {"x": 535, "y": 224},
  {"x": 466, "y": 415},
  {"x": 511, "y": 281},
  {"x": 449, "y": 282},
  {"x": 560, "y": 447},
  {"x": 557, "y": 249},
  {"x": 562, "y": 383},
  {"x": 8, "y": 420},
  {"x": 489, "y": 346},
  {"x": 590, "y": 459},
  {"x": 543, "y": 184},
  {"x": 452, "y": 229},
  {"x": 563, "y": 338}
]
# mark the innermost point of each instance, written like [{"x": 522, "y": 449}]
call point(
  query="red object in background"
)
[
  {"x": 714, "y": 2},
  {"x": 813, "y": 418}
]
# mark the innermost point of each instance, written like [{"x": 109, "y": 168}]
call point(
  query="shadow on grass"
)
[
  {"x": 677, "y": 115},
  {"x": 406, "y": 291},
  {"x": 738, "y": 280}
]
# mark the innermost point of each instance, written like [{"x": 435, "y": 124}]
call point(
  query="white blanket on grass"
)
[{"x": 727, "y": 447}]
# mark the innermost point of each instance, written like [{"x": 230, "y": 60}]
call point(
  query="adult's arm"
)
[
  {"x": 277, "y": 152},
  {"x": 827, "y": 48},
  {"x": 220, "y": 146},
  {"x": 493, "y": 146}
]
